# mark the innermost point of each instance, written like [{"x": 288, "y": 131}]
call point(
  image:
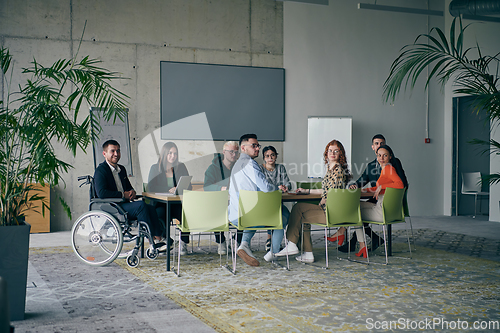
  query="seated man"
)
[
  {"x": 247, "y": 175},
  {"x": 111, "y": 181},
  {"x": 217, "y": 179}
]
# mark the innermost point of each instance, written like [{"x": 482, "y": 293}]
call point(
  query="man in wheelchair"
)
[{"x": 111, "y": 181}]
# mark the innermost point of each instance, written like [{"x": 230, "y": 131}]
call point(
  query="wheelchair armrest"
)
[{"x": 108, "y": 200}]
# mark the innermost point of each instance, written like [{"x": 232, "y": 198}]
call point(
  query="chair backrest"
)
[
  {"x": 205, "y": 211},
  {"x": 470, "y": 182},
  {"x": 406, "y": 210},
  {"x": 342, "y": 207},
  {"x": 392, "y": 206},
  {"x": 262, "y": 209}
]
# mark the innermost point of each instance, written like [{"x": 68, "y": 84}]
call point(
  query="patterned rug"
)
[
  {"x": 445, "y": 286},
  {"x": 436, "y": 287}
]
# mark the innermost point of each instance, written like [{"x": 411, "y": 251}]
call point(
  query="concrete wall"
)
[
  {"x": 336, "y": 59},
  {"x": 132, "y": 37}
]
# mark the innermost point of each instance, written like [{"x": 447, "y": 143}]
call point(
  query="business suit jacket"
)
[{"x": 104, "y": 182}]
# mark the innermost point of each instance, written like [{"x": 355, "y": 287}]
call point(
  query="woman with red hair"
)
[{"x": 337, "y": 176}]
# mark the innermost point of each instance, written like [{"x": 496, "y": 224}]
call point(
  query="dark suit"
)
[{"x": 105, "y": 187}]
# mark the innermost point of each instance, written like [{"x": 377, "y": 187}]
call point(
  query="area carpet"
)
[
  {"x": 435, "y": 286},
  {"x": 437, "y": 289}
]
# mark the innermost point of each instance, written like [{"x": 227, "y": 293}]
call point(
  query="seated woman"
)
[
  {"x": 276, "y": 175},
  {"x": 392, "y": 175},
  {"x": 389, "y": 177},
  {"x": 337, "y": 176},
  {"x": 163, "y": 177}
]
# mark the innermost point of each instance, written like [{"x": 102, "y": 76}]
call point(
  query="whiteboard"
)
[
  {"x": 320, "y": 131},
  {"x": 118, "y": 131}
]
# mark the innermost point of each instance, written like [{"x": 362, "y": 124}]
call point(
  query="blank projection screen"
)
[
  {"x": 236, "y": 100},
  {"x": 320, "y": 131}
]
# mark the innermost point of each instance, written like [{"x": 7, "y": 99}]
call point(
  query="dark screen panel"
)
[{"x": 235, "y": 99}]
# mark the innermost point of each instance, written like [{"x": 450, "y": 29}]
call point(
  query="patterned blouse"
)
[{"x": 335, "y": 178}]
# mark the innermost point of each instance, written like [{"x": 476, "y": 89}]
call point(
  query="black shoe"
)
[{"x": 376, "y": 242}]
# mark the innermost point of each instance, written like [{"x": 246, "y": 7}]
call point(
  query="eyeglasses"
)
[
  {"x": 254, "y": 145},
  {"x": 232, "y": 152},
  {"x": 333, "y": 151}
]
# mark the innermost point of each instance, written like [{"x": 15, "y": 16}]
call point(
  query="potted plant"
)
[
  {"x": 41, "y": 112},
  {"x": 449, "y": 60}
]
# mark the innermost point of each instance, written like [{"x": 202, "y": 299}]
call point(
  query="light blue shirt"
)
[{"x": 245, "y": 175}]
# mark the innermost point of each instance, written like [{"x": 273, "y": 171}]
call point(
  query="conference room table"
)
[{"x": 170, "y": 200}]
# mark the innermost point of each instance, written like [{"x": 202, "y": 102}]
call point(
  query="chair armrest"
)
[{"x": 108, "y": 200}]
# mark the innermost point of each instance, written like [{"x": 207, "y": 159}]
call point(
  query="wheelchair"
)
[{"x": 97, "y": 236}]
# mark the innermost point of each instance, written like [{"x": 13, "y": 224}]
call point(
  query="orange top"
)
[{"x": 388, "y": 178}]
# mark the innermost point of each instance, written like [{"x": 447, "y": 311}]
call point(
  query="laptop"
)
[{"x": 182, "y": 185}]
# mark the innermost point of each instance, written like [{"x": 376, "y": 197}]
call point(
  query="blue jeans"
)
[{"x": 278, "y": 234}]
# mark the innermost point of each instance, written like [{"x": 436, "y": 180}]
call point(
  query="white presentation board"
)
[{"x": 320, "y": 131}]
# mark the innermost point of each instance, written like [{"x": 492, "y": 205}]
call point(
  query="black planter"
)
[{"x": 14, "y": 250}]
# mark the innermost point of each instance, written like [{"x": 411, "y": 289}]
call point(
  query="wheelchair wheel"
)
[
  {"x": 133, "y": 261},
  {"x": 97, "y": 238},
  {"x": 152, "y": 253}
]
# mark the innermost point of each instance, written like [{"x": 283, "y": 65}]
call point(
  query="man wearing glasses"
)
[
  {"x": 217, "y": 179},
  {"x": 247, "y": 175}
]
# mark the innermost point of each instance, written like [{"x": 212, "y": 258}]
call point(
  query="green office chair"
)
[
  {"x": 258, "y": 211},
  {"x": 392, "y": 212},
  {"x": 202, "y": 212},
  {"x": 342, "y": 210}
]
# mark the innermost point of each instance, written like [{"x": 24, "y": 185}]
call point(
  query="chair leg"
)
[
  {"x": 385, "y": 245},
  {"x": 475, "y": 206},
  {"x": 179, "y": 256},
  {"x": 408, "y": 237},
  {"x": 287, "y": 259},
  {"x": 326, "y": 246},
  {"x": 412, "y": 235}
]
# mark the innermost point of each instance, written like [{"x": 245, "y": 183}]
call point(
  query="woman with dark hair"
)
[
  {"x": 389, "y": 177},
  {"x": 276, "y": 175},
  {"x": 163, "y": 177},
  {"x": 337, "y": 176}
]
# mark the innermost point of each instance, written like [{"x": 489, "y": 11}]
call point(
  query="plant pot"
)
[{"x": 14, "y": 250}]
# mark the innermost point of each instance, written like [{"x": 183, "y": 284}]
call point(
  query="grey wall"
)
[
  {"x": 337, "y": 58},
  {"x": 132, "y": 37}
]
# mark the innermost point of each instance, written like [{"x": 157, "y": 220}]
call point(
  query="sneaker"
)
[
  {"x": 246, "y": 254},
  {"x": 184, "y": 250},
  {"x": 269, "y": 256},
  {"x": 268, "y": 245},
  {"x": 290, "y": 247},
  {"x": 306, "y": 257},
  {"x": 221, "y": 248}
]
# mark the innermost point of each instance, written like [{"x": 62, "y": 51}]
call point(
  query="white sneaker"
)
[
  {"x": 290, "y": 247},
  {"x": 246, "y": 254},
  {"x": 184, "y": 249},
  {"x": 221, "y": 248},
  {"x": 270, "y": 256},
  {"x": 305, "y": 257}
]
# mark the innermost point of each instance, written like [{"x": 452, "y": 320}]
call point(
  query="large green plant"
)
[
  {"x": 41, "y": 113},
  {"x": 447, "y": 59}
]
